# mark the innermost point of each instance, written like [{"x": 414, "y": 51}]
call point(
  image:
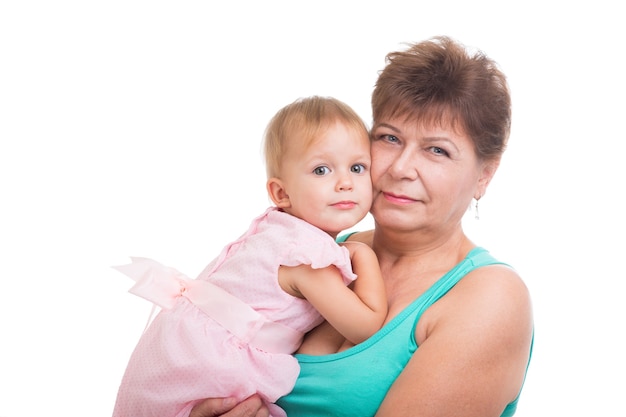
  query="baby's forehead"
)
[{"x": 336, "y": 128}]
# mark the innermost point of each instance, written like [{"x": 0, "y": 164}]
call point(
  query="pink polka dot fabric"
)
[{"x": 185, "y": 356}]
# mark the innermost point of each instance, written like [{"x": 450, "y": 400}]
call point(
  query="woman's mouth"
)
[{"x": 398, "y": 198}]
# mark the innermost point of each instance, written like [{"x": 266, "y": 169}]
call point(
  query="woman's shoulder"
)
[
  {"x": 489, "y": 275},
  {"x": 493, "y": 294},
  {"x": 495, "y": 301},
  {"x": 496, "y": 278},
  {"x": 495, "y": 286}
]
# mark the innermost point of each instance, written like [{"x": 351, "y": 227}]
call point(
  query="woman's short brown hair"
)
[{"x": 441, "y": 81}]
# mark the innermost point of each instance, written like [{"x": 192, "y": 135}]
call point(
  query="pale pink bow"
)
[
  {"x": 164, "y": 285},
  {"x": 155, "y": 282}
]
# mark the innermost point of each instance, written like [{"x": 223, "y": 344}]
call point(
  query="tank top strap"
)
[{"x": 476, "y": 258}]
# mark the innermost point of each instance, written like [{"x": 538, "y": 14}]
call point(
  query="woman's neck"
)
[
  {"x": 427, "y": 250},
  {"x": 411, "y": 262}
]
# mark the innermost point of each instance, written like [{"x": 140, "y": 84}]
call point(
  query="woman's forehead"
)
[
  {"x": 424, "y": 121},
  {"x": 435, "y": 115}
]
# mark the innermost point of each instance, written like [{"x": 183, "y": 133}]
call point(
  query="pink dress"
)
[{"x": 230, "y": 332}]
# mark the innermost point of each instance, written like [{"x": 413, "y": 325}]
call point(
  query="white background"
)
[{"x": 133, "y": 128}]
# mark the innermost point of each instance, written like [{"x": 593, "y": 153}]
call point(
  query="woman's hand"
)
[{"x": 252, "y": 406}]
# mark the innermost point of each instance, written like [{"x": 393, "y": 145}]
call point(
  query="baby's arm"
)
[
  {"x": 369, "y": 286},
  {"x": 357, "y": 313}
]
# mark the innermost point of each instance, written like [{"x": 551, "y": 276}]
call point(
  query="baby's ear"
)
[{"x": 278, "y": 193}]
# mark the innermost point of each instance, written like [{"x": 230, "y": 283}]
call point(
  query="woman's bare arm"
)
[{"x": 473, "y": 350}]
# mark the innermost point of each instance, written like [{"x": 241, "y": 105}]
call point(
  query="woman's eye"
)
[
  {"x": 322, "y": 170},
  {"x": 390, "y": 138},
  {"x": 439, "y": 151},
  {"x": 357, "y": 168}
]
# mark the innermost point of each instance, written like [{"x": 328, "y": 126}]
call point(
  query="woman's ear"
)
[
  {"x": 278, "y": 193},
  {"x": 489, "y": 169}
]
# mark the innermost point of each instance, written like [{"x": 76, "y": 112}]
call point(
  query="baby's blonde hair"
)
[{"x": 300, "y": 123}]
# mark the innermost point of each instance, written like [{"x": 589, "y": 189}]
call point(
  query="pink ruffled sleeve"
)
[{"x": 320, "y": 252}]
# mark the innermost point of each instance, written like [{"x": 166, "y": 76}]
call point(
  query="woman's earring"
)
[{"x": 476, "y": 215}]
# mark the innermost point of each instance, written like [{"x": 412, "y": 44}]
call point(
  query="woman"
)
[{"x": 458, "y": 335}]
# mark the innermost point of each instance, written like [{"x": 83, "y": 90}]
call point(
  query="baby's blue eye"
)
[
  {"x": 357, "y": 168},
  {"x": 322, "y": 170}
]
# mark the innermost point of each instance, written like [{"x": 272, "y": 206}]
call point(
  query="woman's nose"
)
[{"x": 405, "y": 165}]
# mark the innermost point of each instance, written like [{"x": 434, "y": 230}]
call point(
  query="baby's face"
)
[{"x": 329, "y": 182}]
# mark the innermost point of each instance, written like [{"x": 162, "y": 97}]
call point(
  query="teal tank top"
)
[{"x": 355, "y": 381}]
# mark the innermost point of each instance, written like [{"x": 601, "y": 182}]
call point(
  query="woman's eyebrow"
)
[
  {"x": 388, "y": 126},
  {"x": 438, "y": 139}
]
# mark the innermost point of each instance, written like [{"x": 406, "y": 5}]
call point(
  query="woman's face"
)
[{"x": 424, "y": 176}]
